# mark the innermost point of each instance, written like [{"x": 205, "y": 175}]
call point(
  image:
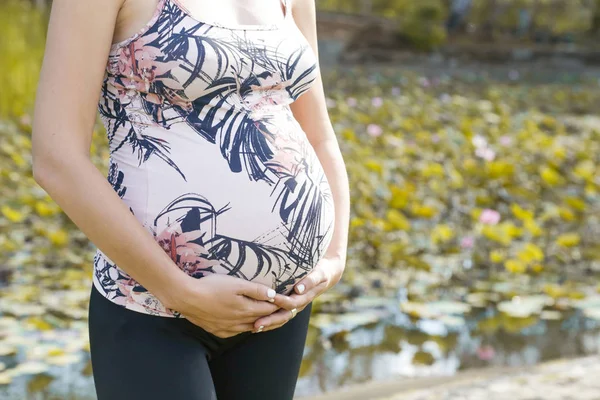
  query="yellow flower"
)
[
  {"x": 575, "y": 203},
  {"x": 56, "y": 351},
  {"x": 590, "y": 190},
  {"x": 530, "y": 253},
  {"x": 537, "y": 268},
  {"x": 566, "y": 214},
  {"x": 441, "y": 233},
  {"x": 585, "y": 170},
  {"x": 349, "y": 135},
  {"x": 499, "y": 169},
  {"x": 521, "y": 213},
  {"x": 357, "y": 222},
  {"x": 515, "y": 266},
  {"x": 576, "y": 295},
  {"x": 23, "y": 142},
  {"x": 559, "y": 153},
  {"x": 423, "y": 136},
  {"x": 532, "y": 227},
  {"x": 456, "y": 179},
  {"x": 44, "y": 209},
  {"x": 12, "y": 215},
  {"x": 504, "y": 232},
  {"x": 396, "y": 221},
  {"x": 470, "y": 165},
  {"x": 400, "y": 196},
  {"x": 423, "y": 211},
  {"x": 374, "y": 166},
  {"x": 18, "y": 159},
  {"x": 497, "y": 234},
  {"x": 475, "y": 213},
  {"x": 568, "y": 239},
  {"x": 38, "y": 323},
  {"x": 554, "y": 290},
  {"x": 550, "y": 176},
  {"x": 433, "y": 170},
  {"x": 379, "y": 223},
  {"x": 497, "y": 256},
  {"x": 8, "y": 246},
  {"x": 59, "y": 237}
]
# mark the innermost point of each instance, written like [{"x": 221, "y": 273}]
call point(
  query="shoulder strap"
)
[{"x": 287, "y": 4}]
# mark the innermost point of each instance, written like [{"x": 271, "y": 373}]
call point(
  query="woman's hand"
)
[
  {"x": 324, "y": 275},
  {"x": 224, "y": 305}
]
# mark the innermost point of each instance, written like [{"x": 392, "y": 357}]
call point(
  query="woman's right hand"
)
[{"x": 224, "y": 305}]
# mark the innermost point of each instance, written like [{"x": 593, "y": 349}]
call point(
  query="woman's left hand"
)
[{"x": 323, "y": 276}]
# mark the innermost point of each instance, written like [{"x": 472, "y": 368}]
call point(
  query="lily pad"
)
[
  {"x": 333, "y": 323},
  {"x": 434, "y": 309},
  {"x": 551, "y": 315},
  {"x": 371, "y": 302},
  {"x": 5, "y": 377},
  {"x": 525, "y": 306},
  {"x": 30, "y": 368},
  {"x": 7, "y": 349},
  {"x": 415, "y": 309},
  {"x": 64, "y": 359},
  {"x": 449, "y": 307},
  {"x": 452, "y": 321},
  {"x": 592, "y": 313}
]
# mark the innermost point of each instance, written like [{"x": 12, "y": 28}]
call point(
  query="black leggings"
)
[{"x": 138, "y": 356}]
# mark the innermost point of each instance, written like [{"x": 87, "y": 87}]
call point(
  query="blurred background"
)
[{"x": 470, "y": 134}]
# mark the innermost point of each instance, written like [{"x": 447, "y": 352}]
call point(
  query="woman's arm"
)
[
  {"x": 78, "y": 43},
  {"x": 310, "y": 109}
]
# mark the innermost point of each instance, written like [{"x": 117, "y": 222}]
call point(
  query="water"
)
[{"x": 397, "y": 346}]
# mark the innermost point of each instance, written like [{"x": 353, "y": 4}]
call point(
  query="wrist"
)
[
  {"x": 335, "y": 269},
  {"x": 176, "y": 291}
]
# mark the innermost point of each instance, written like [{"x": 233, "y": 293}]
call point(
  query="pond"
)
[
  {"x": 351, "y": 340},
  {"x": 475, "y": 235}
]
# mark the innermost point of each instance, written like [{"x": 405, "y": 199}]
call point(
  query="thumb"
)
[
  {"x": 309, "y": 281},
  {"x": 256, "y": 291}
]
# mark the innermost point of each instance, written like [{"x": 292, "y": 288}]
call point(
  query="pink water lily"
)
[
  {"x": 505, "y": 140},
  {"x": 486, "y": 352},
  {"x": 490, "y": 217},
  {"x": 486, "y": 153},
  {"x": 423, "y": 81},
  {"x": 377, "y": 101},
  {"x": 467, "y": 242},
  {"x": 374, "y": 130}
]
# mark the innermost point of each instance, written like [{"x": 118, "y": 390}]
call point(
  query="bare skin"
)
[{"x": 79, "y": 37}]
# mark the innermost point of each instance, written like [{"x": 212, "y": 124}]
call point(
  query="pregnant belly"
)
[
  {"x": 273, "y": 235},
  {"x": 268, "y": 222}
]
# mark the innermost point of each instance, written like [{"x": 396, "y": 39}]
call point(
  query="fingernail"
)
[
  {"x": 271, "y": 293},
  {"x": 300, "y": 288},
  {"x": 260, "y": 328},
  {"x": 271, "y": 300}
]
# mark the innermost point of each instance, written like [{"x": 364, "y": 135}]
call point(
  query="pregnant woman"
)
[{"x": 225, "y": 210}]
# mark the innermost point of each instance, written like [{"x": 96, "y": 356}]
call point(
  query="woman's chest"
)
[{"x": 182, "y": 59}]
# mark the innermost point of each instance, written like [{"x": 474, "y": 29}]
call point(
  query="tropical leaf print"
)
[
  {"x": 183, "y": 99},
  {"x": 190, "y": 236}
]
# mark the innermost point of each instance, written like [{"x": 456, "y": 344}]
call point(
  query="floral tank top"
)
[{"x": 206, "y": 153}]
